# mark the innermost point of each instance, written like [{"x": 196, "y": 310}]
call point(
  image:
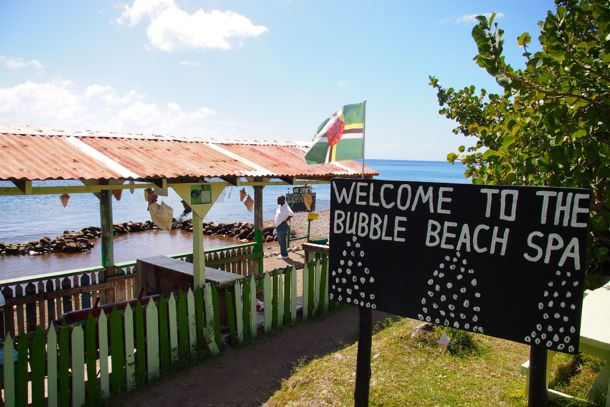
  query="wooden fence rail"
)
[{"x": 87, "y": 362}]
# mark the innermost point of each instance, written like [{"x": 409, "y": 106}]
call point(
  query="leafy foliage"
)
[{"x": 550, "y": 126}]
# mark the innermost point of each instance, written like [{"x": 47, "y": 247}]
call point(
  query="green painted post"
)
[
  {"x": 37, "y": 367},
  {"x": 64, "y": 366},
  {"x": 253, "y": 312},
  {"x": 199, "y": 318},
  {"x": 239, "y": 310},
  {"x": 293, "y": 295},
  {"x": 93, "y": 394},
  {"x": 209, "y": 319},
  {"x": 198, "y": 253},
  {"x": 78, "y": 366},
  {"x": 21, "y": 374},
  {"x": 130, "y": 357},
  {"x": 216, "y": 308},
  {"x": 268, "y": 292},
  {"x": 51, "y": 367},
  {"x": 164, "y": 349},
  {"x": 274, "y": 302},
  {"x": 281, "y": 281},
  {"x": 190, "y": 307},
  {"x": 107, "y": 255},
  {"x": 117, "y": 380},
  {"x": 305, "y": 290},
  {"x": 287, "y": 294},
  {"x": 311, "y": 290},
  {"x": 102, "y": 329},
  {"x": 152, "y": 340},
  {"x": 231, "y": 316},
  {"x": 323, "y": 301},
  {"x": 9, "y": 372},
  {"x": 183, "y": 333},
  {"x": 173, "y": 327},
  {"x": 140, "y": 345},
  {"x": 316, "y": 286},
  {"x": 247, "y": 309}
]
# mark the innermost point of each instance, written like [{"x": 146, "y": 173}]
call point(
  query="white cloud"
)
[
  {"x": 133, "y": 15},
  {"x": 343, "y": 83},
  {"x": 63, "y": 104},
  {"x": 184, "y": 62},
  {"x": 20, "y": 63},
  {"x": 171, "y": 28},
  {"x": 469, "y": 18}
]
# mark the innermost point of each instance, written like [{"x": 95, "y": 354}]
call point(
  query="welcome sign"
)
[{"x": 507, "y": 262}]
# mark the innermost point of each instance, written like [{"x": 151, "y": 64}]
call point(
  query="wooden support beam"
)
[
  {"x": 288, "y": 180},
  {"x": 107, "y": 254},
  {"x": 159, "y": 182},
  {"x": 231, "y": 180},
  {"x": 25, "y": 186}
]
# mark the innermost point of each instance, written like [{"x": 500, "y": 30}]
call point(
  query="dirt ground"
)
[{"x": 249, "y": 375}]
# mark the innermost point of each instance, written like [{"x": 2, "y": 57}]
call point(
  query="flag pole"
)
[{"x": 363, "y": 134}]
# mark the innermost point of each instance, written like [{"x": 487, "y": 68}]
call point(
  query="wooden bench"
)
[{"x": 594, "y": 341}]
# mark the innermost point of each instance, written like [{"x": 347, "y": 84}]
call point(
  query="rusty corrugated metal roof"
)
[{"x": 39, "y": 154}]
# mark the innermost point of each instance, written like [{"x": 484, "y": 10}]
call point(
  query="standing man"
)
[{"x": 283, "y": 214}]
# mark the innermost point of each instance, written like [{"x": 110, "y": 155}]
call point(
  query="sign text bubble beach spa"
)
[{"x": 504, "y": 261}]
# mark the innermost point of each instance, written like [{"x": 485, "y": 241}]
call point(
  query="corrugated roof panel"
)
[
  {"x": 167, "y": 158},
  {"x": 33, "y": 157},
  {"x": 288, "y": 161}
]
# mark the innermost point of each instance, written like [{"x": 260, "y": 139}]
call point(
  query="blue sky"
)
[{"x": 248, "y": 69}]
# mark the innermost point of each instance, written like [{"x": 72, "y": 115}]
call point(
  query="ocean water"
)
[{"x": 25, "y": 218}]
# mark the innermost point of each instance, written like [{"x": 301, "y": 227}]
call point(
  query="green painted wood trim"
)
[
  {"x": 164, "y": 349},
  {"x": 37, "y": 358},
  {"x": 102, "y": 329},
  {"x": 199, "y": 319},
  {"x": 107, "y": 250},
  {"x": 216, "y": 309},
  {"x": 267, "y": 298},
  {"x": 130, "y": 353},
  {"x": 78, "y": 366},
  {"x": 9, "y": 373},
  {"x": 293, "y": 295},
  {"x": 281, "y": 281},
  {"x": 316, "y": 285},
  {"x": 190, "y": 307},
  {"x": 183, "y": 333},
  {"x": 323, "y": 301},
  {"x": 311, "y": 288},
  {"x": 64, "y": 366},
  {"x": 51, "y": 367},
  {"x": 209, "y": 320},
  {"x": 239, "y": 310},
  {"x": 246, "y": 309},
  {"x": 117, "y": 378},
  {"x": 152, "y": 341},
  {"x": 305, "y": 290},
  {"x": 198, "y": 254},
  {"x": 140, "y": 345},
  {"x": 21, "y": 372},
  {"x": 287, "y": 294},
  {"x": 173, "y": 327},
  {"x": 253, "y": 312},
  {"x": 274, "y": 301},
  {"x": 231, "y": 316},
  {"x": 93, "y": 393}
]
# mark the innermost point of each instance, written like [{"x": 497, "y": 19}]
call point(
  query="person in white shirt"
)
[{"x": 283, "y": 214}]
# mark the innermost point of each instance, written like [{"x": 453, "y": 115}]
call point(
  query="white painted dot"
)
[
  {"x": 452, "y": 315},
  {"x": 353, "y": 253},
  {"x": 331, "y": 296},
  {"x": 441, "y": 266},
  {"x": 540, "y": 306},
  {"x": 356, "y": 286},
  {"x": 446, "y": 322},
  {"x": 539, "y": 327},
  {"x": 571, "y": 349},
  {"x": 443, "y": 313},
  {"x": 349, "y": 300},
  {"x": 556, "y": 338},
  {"x": 474, "y": 282},
  {"x": 420, "y": 316},
  {"x": 455, "y": 259},
  {"x": 373, "y": 306},
  {"x": 555, "y": 294},
  {"x": 438, "y": 321},
  {"x": 350, "y": 263},
  {"x": 447, "y": 258},
  {"x": 546, "y": 294},
  {"x": 362, "y": 295},
  {"x": 456, "y": 324},
  {"x": 568, "y": 294},
  {"x": 341, "y": 262},
  {"x": 463, "y": 316},
  {"x": 561, "y": 346},
  {"x": 339, "y": 289},
  {"x": 362, "y": 280},
  {"x": 527, "y": 339},
  {"x": 334, "y": 273},
  {"x": 366, "y": 270},
  {"x": 464, "y": 261},
  {"x": 543, "y": 336},
  {"x": 354, "y": 279},
  {"x": 563, "y": 283},
  {"x": 361, "y": 253},
  {"x": 455, "y": 296},
  {"x": 476, "y": 309},
  {"x": 566, "y": 319},
  {"x": 372, "y": 297},
  {"x": 561, "y": 329},
  {"x": 368, "y": 305},
  {"x": 551, "y": 303},
  {"x": 478, "y": 295},
  {"x": 349, "y": 291},
  {"x": 558, "y": 273},
  {"x": 545, "y": 316},
  {"x": 428, "y": 319},
  {"x": 441, "y": 275},
  {"x": 567, "y": 339},
  {"x": 575, "y": 283},
  {"x": 340, "y": 298},
  {"x": 443, "y": 298},
  {"x": 434, "y": 305},
  {"x": 452, "y": 307},
  {"x": 356, "y": 301},
  {"x": 359, "y": 264},
  {"x": 557, "y": 316},
  {"x": 572, "y": 329},
  {"x": 470, "y": 271},
  {"x": 537, "y": 341},
  {"x": 430, "y": 294},
  {"x": 475, "y": 318},
  {"x": 549, "y": 344},
  {"x": 357, "y": 245},
  {"x": 549, "y": 328},
  {"x": 462, "y": 290},
  {"x": 562, "y": 304},
  {"x": 348, "y": 271},
  {"x": 372, "y": 280},
  {"x": 449, "y": 285},
  {"x": 348, "y": 243},
  {"x": 345, "y": 252},
  {"x": 466, "y": 325},
  {"x": 452, "y": 267},
  {"x": 354, "y": 238},
  {"x": 459, "y": 276},
  {"x": 430, "y": 282},
  {"x": 550, "y": 283}
]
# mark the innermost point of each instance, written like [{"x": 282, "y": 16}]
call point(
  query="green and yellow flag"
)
[{"x": 339, "y": 137}]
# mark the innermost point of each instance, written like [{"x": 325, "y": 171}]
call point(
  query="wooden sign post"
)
[{"x": 508, "y": 262}]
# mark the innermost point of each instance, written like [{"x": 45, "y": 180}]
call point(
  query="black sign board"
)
[
  {"x": 296, "y": 199},
  {"x": 507, "y": 262}
]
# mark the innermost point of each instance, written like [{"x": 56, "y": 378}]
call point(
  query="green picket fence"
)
[{"x": 85, "y": 363}]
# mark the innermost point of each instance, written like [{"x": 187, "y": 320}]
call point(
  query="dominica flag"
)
[{"x": 339, "y": 137}]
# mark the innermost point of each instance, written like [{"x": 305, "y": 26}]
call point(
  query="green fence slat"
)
[
  {"x": 78, "y": 366},
  {"x": 152, "y": 340},
  {"x": 173, "y": 327},
  {"x": 246, "y": 309},
  {"x": 274, "y": 301},
  {"x": 216, "y": 310},
  {"x": 93, "y": 394},
  {"x": 323, "y": 301},
  {"x": 311, "y": 290},
  {"x": 199, "y": 318},
  {"x": 164, "y": 349},
  {"x": 293, "y": 295},
  {"x": 209, "y": 319},
  {"x": 37, "y": 358},
  {"x": 183, "y": 333},
  {"x": 280, "y": 297},
  {"x": 305, "y": 290},
  {"x": 117, "y": 378},
  {"x": 130, "y": 349},
  {"x": 190, "y": 308},
  {"x": 102, "y": 330},
  {"x": 21, "y": 373},
  {"x": 140, "y": 345},
  {"x": 287, "y": 294},
  {"x": 64, "y": 366},
  {"x": 253, "y": 312},
  {"x": 51, "y": 367},
  {"x": 231, "y": 316},
  {"x": 267, "y": 298},
  {"x": 9, "y": 372},
  {"x": 239, "y": 310}
]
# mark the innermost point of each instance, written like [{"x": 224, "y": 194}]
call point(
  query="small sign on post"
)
[
  {"x": 302, "y": 199},
  {"x": 508, "y": 262},
  {"x": 201, "y": 194}
]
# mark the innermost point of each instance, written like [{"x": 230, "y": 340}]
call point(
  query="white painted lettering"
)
[
  {"x": 447, "y": 235},
  {"x": 545, "y": 204},
  {"x": 442, "y": 199},
  {"x": 488, "y": 198},
  {"x": 384, "y": 202},
  {"x": 538, "y": 249},
  {"x": 432, "y": 237},
  {"x": 513, "y": 209}
]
